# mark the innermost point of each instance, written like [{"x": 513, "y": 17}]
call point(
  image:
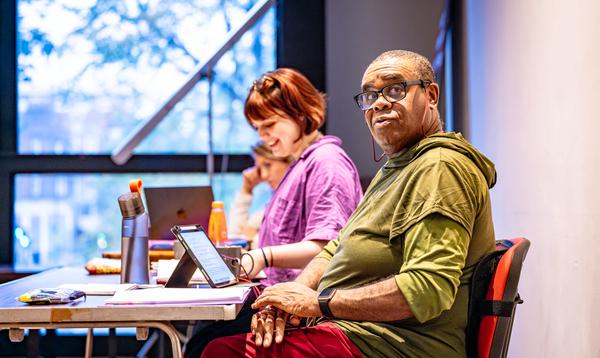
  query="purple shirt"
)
[{"x": 313, "y": 201}]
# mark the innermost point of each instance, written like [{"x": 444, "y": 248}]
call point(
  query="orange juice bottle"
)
[{"x": 217, "y": 225}]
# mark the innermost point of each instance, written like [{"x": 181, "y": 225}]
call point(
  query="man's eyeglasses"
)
[{"x": 392, "y": 93}]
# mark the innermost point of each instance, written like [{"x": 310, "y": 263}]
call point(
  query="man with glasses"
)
[{"x": 396, "y": 280}]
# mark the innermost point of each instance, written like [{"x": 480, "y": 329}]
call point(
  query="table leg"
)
[
  {"x": 89, "y": 343},
  {"x": 171, "y": 332},
  {"x": 16, "y": 333}
]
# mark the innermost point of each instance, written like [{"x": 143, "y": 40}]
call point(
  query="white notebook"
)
[{"x": 227, "y": 295}]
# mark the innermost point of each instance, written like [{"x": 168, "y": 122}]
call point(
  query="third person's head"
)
[{"x": 271, "y": 168}]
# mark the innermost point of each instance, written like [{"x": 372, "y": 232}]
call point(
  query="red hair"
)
[{"x": 287, "y": 93}]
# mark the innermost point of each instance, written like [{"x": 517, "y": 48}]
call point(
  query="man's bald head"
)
[
  {"x": 420, "y": 64},
  {"x": 394, "y": 67}
]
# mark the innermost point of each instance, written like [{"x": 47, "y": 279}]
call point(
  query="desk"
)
[{"x": 92, "y": 313}]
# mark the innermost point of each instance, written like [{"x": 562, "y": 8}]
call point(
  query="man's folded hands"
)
[{"x": 280, "y": 304}]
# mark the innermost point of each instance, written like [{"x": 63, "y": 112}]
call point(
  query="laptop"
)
[{"x": 170, "y": 206}]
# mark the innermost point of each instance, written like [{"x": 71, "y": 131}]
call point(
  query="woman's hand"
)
[
  {"x": 251, "y": 178},
  {"x": 257, "y": 258}
]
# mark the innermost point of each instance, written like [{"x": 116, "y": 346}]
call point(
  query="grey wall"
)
[{"x": 356, "y": 32}]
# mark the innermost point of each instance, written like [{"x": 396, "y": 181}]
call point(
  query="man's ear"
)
[{"x": 433, "y": 94}]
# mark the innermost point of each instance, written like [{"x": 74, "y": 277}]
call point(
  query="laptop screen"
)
[{"x": 170, "y": 206}]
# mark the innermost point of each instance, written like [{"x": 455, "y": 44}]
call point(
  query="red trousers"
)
[{"x": 324, "y": 340}]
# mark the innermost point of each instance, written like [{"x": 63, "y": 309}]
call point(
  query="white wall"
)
[
  {"x": 534, "y": 93},
  {"x": 534, "y": 97},
  {"x": 356, "y": 32}
]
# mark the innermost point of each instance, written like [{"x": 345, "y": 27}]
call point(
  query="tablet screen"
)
[{"x": 208, "y": 256}]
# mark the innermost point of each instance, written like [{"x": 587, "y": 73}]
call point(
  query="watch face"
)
[
  {"x": 324, "y": 297},
  {"x": 327, "y": 293}
]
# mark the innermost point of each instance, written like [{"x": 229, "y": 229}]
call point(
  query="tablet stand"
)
[{"x": 182, "y": 275}]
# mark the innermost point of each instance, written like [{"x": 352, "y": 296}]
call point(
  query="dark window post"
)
[
  {"x": 8, "y": 123},
  {"x": 301, "y": 38}
]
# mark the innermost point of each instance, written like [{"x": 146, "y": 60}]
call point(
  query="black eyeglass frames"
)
[{"x": 392, "y": 93}]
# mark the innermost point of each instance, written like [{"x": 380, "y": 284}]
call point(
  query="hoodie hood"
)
[{"x": 453, "y": 141}]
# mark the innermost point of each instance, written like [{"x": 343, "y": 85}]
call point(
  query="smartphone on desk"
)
[{"x": 205, "y": 255}]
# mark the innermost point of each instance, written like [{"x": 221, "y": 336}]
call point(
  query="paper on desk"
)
[
  {"x": 100, "y": 289},
  {"x": 227, "y": 295}
]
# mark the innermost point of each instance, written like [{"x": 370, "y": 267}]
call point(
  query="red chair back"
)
[{"x": 493, "y": 299}]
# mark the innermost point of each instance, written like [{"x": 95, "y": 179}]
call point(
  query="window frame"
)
[{"x": 300, "y": 39}]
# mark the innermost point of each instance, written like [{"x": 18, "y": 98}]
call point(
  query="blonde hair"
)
[{"x": 262, "y": 149}]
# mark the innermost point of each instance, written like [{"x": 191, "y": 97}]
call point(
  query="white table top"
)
[{"x": 93, "y": 308}]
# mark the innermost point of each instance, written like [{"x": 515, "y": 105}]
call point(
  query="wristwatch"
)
[{"x": 324, "y": 297}]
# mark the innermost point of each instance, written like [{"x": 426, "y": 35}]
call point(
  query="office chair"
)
[{"x": 494, "y": 298}]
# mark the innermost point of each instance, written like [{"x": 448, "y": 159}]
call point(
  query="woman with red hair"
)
[{"x": 312, "y": 203}]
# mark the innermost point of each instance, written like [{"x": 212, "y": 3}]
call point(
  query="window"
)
[
  {"x": 53, "y": 227},
  {"x": 92, "y": 71},
  {"x": 57, "y": 129},
  {"x": 88, "y": 73}
]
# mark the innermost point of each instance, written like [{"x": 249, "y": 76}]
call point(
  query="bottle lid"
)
[
  {"x": 131, "y": 205},
  {"x": 218, "y": 204}
]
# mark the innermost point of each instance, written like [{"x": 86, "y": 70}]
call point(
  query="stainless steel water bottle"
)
[{"x": 135, "y": 263}]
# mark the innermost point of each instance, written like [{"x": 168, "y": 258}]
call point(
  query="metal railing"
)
[{"x": 124, "y": 150}]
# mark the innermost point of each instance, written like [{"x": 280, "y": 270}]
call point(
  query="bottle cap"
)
[
  {"x": 131, "y": 205},
  {"x": 218, "y": 204},
  {"x": 135, "y": 185}
]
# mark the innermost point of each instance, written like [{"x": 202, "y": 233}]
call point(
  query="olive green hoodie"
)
[
  {"x": 454, "y": 141},
  {"x": 426, "y": 221}
]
